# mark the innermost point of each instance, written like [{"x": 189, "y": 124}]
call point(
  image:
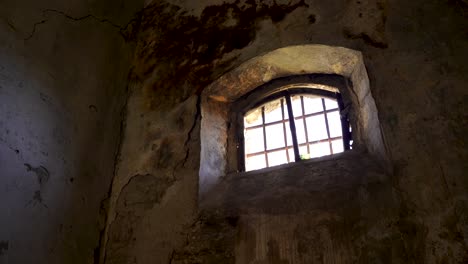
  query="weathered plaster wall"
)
[
  {"x": 339, "y": 209},
  {"x": 63, "y": 77},
  {"x": 415, "y": 55}
]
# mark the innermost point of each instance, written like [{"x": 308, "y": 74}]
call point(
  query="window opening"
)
[{"x": 294, "y": 125}]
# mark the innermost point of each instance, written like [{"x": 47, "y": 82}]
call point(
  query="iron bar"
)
[
  {"x": 288, "y": 147},
  {"x": 292, "y": 125},
  {"x": 284, "y": 130},
  {"x": 305, "y": 125},
  {"x": 264, "y": 136},
  {"x": 326, "y": 124},
  {"x": 296, "y": 118}
]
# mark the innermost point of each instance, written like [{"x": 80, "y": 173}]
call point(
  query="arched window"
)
[
  {"x": 291, "y": 125},
  {"x": 225, "y": 102}
]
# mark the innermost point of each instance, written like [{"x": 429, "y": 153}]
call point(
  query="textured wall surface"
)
[
  {"x": 63, "y": 77},
  {"x": 415, "y": 54},
  {"x": 339, "y": 209}
]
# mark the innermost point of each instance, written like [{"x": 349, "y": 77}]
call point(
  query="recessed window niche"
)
[{"x": 325, "y": 67}]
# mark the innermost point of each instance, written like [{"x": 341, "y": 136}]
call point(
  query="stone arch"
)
[{"x": 293, "y": 60}]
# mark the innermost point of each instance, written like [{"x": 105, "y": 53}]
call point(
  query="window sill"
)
[
  {"x": 302, "y": 163},
  {"x": 305, "y": 186}
]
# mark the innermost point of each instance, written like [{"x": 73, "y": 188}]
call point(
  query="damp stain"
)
[
  {"x": 177, "y": 49},
  {"x": 41, "y": 172},
  {"x": 37, "y": 196},
  {"x": 3, "y": 247}
]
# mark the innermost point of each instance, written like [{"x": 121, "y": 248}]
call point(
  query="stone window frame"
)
[
  {"x": 217, "y": 100},
  {"x": 314, "y": 84}
]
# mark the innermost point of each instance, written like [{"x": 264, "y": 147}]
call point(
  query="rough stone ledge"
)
[{"x": 334, "y": 182}]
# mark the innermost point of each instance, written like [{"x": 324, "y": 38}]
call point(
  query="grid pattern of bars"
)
[{"x": 267, "y": 134}]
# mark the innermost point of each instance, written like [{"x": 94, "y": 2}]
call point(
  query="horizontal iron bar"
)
[
  {"x": 296, "y": 118},
  {"x": 290, "y": 146}
]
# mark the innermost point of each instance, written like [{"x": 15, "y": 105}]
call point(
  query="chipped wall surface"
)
[
  {"x": 63, "y": 75},
  {"x": 154, "y": 192},
  {"x": 414, "y": 52}
]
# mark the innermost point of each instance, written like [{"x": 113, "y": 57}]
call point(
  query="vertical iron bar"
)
[
  {"x": 305, "y": 125},
  {"x": 326, "y": 124},
  {"x": 292, "y": 125},
  {"x": 240, "y": 133},
  {"x": 344, "y": 123},
  {"x": 284, "y": 130},
  {"x": 264, "y": 136}
]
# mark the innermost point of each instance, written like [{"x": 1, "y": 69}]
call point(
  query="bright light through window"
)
[{"x": 267, "y": 130}]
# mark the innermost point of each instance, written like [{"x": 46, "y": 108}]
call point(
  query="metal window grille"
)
[{"x": 290, "y": 136}]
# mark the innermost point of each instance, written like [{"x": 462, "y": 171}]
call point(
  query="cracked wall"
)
[
  {"x": 414, "y": 53},
  {"x": 63, "y": 80}
]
